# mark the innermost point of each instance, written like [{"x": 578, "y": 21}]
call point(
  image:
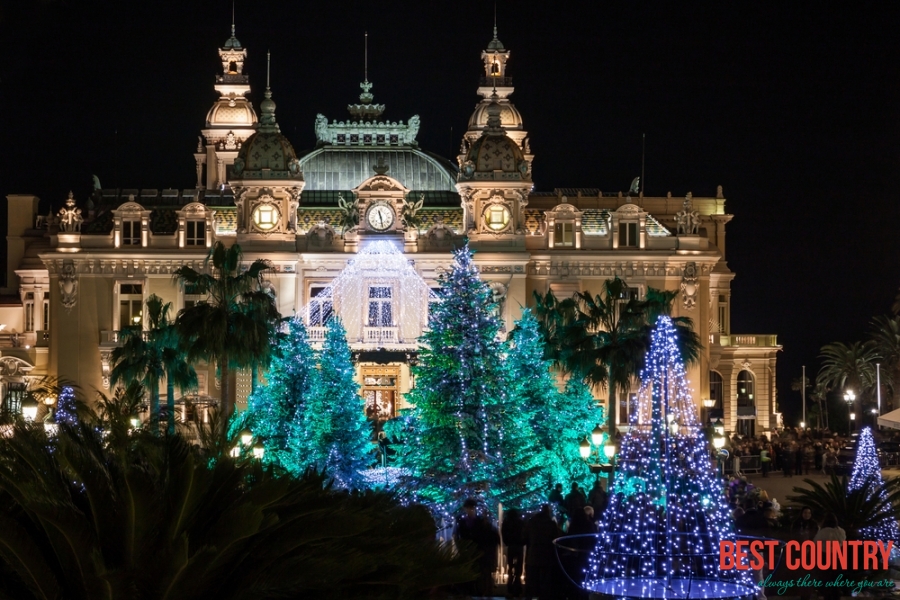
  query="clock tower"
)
[{"x": 381, "y": 200}]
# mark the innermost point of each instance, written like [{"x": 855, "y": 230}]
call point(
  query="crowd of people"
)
[
  {"x": 794, "y": 452},
  {"x": 529, "y": 541}
]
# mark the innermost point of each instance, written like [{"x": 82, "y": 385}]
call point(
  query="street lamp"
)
[
  {"x": 246, "y": 437},
  {"x": 258, "y": 451},
  {"x": 719, "y": 445},
  {"x": 135, "y": 420},
  {"x": 850, "y": 398},
  {"x": 708, "y": 404},
  {"x": 597, "y": 435},
  {"x": 719, "y": 429},
  {"x": 584, "y": 448},
  {"x": 29, "y": 408}
]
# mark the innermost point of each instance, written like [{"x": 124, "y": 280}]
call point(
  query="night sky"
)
[{"x": 791, "y": 106}]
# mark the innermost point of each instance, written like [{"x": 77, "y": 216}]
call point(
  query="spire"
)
[
  {"x": 365, "y": 110},
  {"x": 232, "y": 42},
  {"x": 267, "y": 123},
  {"x": 495, "y": 43}
]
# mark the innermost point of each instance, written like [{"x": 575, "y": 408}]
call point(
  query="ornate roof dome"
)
[
  {"x": 510, "y": 118},
  {"x": 494, "y": 153},
  {"x": 267, "y": 154},
  {"x": 237, "y": 112}
]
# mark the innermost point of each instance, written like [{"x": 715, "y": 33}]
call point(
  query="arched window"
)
[
  {"x": 745, "y": 389},
  {"x": 716, "y": 389}
]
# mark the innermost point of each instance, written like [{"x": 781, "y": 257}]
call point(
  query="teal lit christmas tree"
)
[
  {"x": 335, "y": 427},
  {"x": 867, "y": 473},
  {"x": 466, "y": 438},
  {"x": 560, "y": 420},
  {"x": 660, "y": 536},
  {"x": 274, "y": 408}
]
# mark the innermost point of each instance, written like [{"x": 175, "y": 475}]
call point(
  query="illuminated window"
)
[
  {"x": 381, "y": 312},
  {"x": 723, "y": 314},
  {"x": 195, "y": 233},
  {"x": 321, "y": 308},
  {"x": 628, "y": 235},
  {"x": 15, "y": 393},
  {"x": 496, "y": 217},
  {"x": 564, "y": 235},
  {"x": 46, "y": 322},
  {"x": 745, "y": 389},
  {"x": 716, "y": 388},
  {"x": 131, "y": 302},
  {"x": 265, "y": 217},
  {"x": 29, "y": 311},
  {"x": 131, "y": 233}
]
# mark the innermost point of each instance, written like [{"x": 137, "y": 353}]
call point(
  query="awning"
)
[{"x": 891, "y": 419}]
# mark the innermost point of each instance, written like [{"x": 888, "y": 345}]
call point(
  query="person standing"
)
[
  {"x": 575, "y": 501},
  {"x": 540, "y": 555},
  {"x": 598, "y": 499},
  {"x": 513, "y": 531},
  {"x": 765, "y": 460},
  {"x": 480, "y": 532}
]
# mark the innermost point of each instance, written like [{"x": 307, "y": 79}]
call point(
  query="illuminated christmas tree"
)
[
  {"x": 660, "y": 536},
  {"x": 867, "y": 473},
  {"x": 560, "y": 420},
  {"x": 274, "y": 409},
  {"x": 65, "y": 406},
  {"x": 334, "y": 428},
  {"x": 465, "y": 436}
]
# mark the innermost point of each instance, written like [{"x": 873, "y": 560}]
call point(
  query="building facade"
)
[{"x": 79, "y": 276}]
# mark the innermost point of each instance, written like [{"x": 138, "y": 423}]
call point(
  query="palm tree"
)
[
  {"x": 885, "y": 337},
  {"x": 132, "y": 515},
  {"x": 233, "y": 326},
  {"x": 848, "y": 367},
  {"x": 149, "y": 356},
  {"x": 603, "y": 339}
]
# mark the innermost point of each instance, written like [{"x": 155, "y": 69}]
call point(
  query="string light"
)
[
  {"x": 867, "y": 472},
  {"x": 660, "y": 535}
]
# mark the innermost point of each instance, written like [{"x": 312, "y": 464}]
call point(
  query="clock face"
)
[{"x": 380, "y": 217}]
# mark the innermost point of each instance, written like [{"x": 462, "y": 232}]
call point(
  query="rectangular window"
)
[
  {"x": 723, "y": 316},
  {"x": 131, "y": 233},
  {"x": 29, "y": 311},
  {"x": 321, "y": 309},
  {"x": 131, "y": 302},
  {"x": 564, "y": 235},
  {"x": 191, "y": 297},
  {"x": 380, "y": 309},
  {"x": 46, "y": 314},
  {"x": 628, "y": 235},
  {"x": 195, "y": 233},
  {"x": 627, "y": 403},
  {"x": 15, "y": 393},
  {"x": 433, "y": 298}
]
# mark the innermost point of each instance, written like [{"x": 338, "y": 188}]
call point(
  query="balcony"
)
[
  {"x": 498, "y": 81},
  {"x": 381, "y": 335},
  {"x": 746, "y": 411},
  {"x": 764, "y": 340}
]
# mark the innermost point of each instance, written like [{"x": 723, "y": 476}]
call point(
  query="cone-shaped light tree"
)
[
  {"x": 561, "y": 420},
  {"x": 466, "y": 437},
  {"x": 667, "y": 514},
  {"x": 867, "y": 474},
  {"x": 274, "y": 408},
  {"x": 334, "y": 427}
]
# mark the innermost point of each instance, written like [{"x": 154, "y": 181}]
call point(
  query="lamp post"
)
[
  {"x": 850, "y": 398},
  {"x": 719, "y": 429},
  {"x": 29, "y": 408},
  {"x": 719, "y": 445},
  {"x": 591, "y": 455},
  {"x": 708, "y": 404}
]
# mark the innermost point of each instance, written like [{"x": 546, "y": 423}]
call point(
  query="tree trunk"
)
[
  {"x": 226, "y": 404},
  {"x": 170, "y": 404},
  {"x": 154, "y": 406}
]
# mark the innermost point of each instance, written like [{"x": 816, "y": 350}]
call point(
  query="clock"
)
[{"x": 380, "y": 217}]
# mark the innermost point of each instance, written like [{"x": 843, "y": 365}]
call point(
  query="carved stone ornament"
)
[
  {"x": 70, "y": 218},
  {"x": 690, "y": 285},
  {"x": 9, "y": 367},
  {"x": 68, "y": 285},
  {"x": 688, "y": 219},
  {"x": 321, "y": 234}
]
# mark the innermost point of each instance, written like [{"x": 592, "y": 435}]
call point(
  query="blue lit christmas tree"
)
[
  {"x": 867, "y": 473},
  {"x": 274, "y": 408},
  {"x": 65, "y": 406},
  {"x": 559, "y": 419},
  {"x": 335, "y": 427},
  {"x": 660, "y": 536}
]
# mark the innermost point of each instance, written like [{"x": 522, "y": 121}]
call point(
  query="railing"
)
[
  {"x": 746, "y": 411},
  {"x": 317, "y": 334},
  {"x": 755, "y": 340},
  {"x": 12, "y": 340},
  {"x": 498, "y": 81},
  {"x": 380, "y": 335}
]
